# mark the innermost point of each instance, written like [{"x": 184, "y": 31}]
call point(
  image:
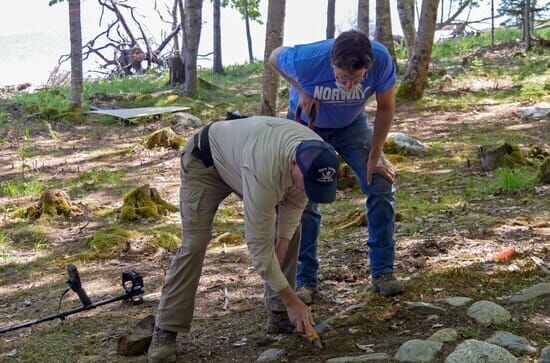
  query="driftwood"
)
[{"x": 119, "y": 50}]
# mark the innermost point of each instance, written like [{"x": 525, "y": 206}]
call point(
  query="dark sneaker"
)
[
  {"x": 307, "y": 294},
  {"x": 163, "y": 346},
  {"x": 278, "y": 323},
  {"x": 388, "y": 285}
]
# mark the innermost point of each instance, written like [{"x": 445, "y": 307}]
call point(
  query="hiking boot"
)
[
  {"x": 307, "y": 294},
  {"x": 163, "y": 346},
  {"x": 278, "y": 323},
  {"x": 388, "y": 285}
]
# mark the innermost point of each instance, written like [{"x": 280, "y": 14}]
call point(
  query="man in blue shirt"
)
[{"x": 331, "y": 81}]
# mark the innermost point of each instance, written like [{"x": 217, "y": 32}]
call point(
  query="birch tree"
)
[{"x": 273, "y": 39}]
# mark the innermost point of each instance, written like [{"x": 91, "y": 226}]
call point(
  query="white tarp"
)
[{"x": 128, "y": 113}]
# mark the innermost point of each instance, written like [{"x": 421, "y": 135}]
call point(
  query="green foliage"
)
[
  {"x": 3, "y": 118},
  {"x": 31, "y": 235},
  {"x": 509, "y": 181},
  {"x": 543, "y": 175},
  {"x": 21, "y": 187},
  {"x": 148, "y": 83},
  {"x": 252, "y": 8},
  {"x": 515, "y": 9}
]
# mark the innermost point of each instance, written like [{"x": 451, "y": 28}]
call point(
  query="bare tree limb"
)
[{"x": 458, "y": 11}]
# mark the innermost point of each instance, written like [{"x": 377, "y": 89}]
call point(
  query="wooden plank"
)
[{"x": 128, "y": 113}]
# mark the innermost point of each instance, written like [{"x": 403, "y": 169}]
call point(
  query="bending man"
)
[{"x": 272, "y": 164}]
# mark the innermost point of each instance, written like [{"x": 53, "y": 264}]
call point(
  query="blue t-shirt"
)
[{"x": 310, "y": 66}]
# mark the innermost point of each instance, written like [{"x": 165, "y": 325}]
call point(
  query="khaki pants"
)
[{"x": 201, "y": 192}]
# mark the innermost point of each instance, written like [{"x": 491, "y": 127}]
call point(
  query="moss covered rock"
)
[
  {"x": 164, "y": 138},
  {"x": 144, "y": 202},
  {"x": 505, "y": 155},
  {"x": 346, "y": 178},
  {"x": 228, "y": 238},
  {"x": 52, "y": 203},
  {"x": 544, "y": 172},
  {"x": 111, "y": 240}
]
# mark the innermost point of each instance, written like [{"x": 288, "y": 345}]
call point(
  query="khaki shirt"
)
[{"x": 253, "y": 157}]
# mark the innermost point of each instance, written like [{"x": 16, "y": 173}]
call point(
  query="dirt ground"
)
[{"x": 441, "y": 253}]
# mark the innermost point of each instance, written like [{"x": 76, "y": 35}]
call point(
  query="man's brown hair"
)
[{"x": 352, "y": 51}]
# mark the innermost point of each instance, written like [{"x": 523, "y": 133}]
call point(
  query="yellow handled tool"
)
[{"x": 314, "y": 339}]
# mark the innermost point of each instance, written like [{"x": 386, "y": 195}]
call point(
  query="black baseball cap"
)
[{"x": 318, "y": 163}]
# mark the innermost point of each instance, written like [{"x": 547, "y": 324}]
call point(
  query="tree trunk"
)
[
  {"x": 273, "y": 39},
  {"x": 175, "y": 25},
  {"x": 383, "y": 25},
  {"x": 76, "y": 54},
  {"x": 331, "y": 9},
  {"x": 363, "y": 16},
  {"x": 414, "y": 81},
  {"x": 405, "y": 8},
  {"x": 248, "y": 35},
  {"x": 193, "y": 22},
  {"x": 218, "y": 67},
  {"x": 527, "y": 25},
  {"x": 492, "y": 24}
]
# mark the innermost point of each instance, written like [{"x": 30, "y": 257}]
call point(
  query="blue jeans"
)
[{"x": 353, "y": 144}]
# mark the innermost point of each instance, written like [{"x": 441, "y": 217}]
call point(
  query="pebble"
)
[
  {"x": 444, "y": 335},
  {"x": 472, "y": 350},
  {"x": 487, "y": 313},
  {"x": 458, "y": 301},
  {"x": 417, "y": 350},
  {"x": 532, "y": 292},
  {"x": 271, "y": 355},
  {"x": 512, "y": 342},
  {"x": 361, "y": 358}
]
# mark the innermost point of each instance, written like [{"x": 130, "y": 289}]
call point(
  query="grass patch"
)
[
  {"x": 5, "y": 245},
  {"x": 31, "y": 236},
  {"x": 21, "y": 187},
  {"x": 3, "y": 118},
  {"x": 95, "y": 179},
  {"x": 509, "y": 181},
  {"x": 105, "y": 242}
]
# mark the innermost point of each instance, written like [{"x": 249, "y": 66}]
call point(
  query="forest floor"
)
[{"x": 453, "y": 218}]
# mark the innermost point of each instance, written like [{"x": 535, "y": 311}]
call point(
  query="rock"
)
[
  {"x": 417, "y": 350},
  {"x": 531, "y": 293},
  {"x": 458, "y": 300},
  {"x": 543, "y": 174},
  {"x": 423, "y": 307},
  {"x": 444, "y": 335},
  {"x": 474, "y": 351},
  {"x": 138, "y": 340},
  {"x": 545, "y": 354},
  {"x": 512, "y": 342},
  {"x": 361, "y": 358},
  {"x": 271, "y": 355},
  {"x": 399, "y": 143},
  {"x": 184, "y": 119},
  {"x": 539, "y": 110},
  {"x": 164, "y": 137},
  {"x": 487, "y": 313}
]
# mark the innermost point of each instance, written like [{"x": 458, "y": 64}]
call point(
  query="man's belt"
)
[{"x": 202, "y": 147}]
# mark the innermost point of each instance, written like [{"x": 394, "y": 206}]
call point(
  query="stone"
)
[
  {"x": 474, "y": 351},
  {"x": 372, "y": 357},
  {"x": 512, "y": 342},
  {"x": 531, "y": 293},
  {"x": 137, "y": 341},
  {"x": 444, "y": 335},
  {"x": 271, "y": 355},
  {"x": 403, "y": 144},
  {"x": 487, "y": 313},
  {"x": 537, "y": 111},
  {"x": 499, "y": 156},
  {"x": 545, "y": 354},
  {"x": 423, "y": 307},
  {"x": 417, "y": 350},
  {"x": 458, "y": 301},
  {"x": 184, "y": 119}
]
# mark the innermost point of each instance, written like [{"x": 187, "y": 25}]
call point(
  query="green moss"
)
[
  {"x": 346, "y": 178},
  {"x": 164, "y": 138},
  {"x": 144, "y": 202},
  {"x": 110, "y": 239},
  {"x": 168, "y": 241},
  {"x": 53, "y": 203}
]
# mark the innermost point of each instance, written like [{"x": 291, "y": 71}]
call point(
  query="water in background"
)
[{"x": 30, "y": 57}]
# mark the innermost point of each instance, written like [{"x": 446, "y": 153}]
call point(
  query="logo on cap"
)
[{"x": 327, "y": 175}]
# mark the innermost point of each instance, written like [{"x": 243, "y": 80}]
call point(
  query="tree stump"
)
[{"x": 144, "y": 202}]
